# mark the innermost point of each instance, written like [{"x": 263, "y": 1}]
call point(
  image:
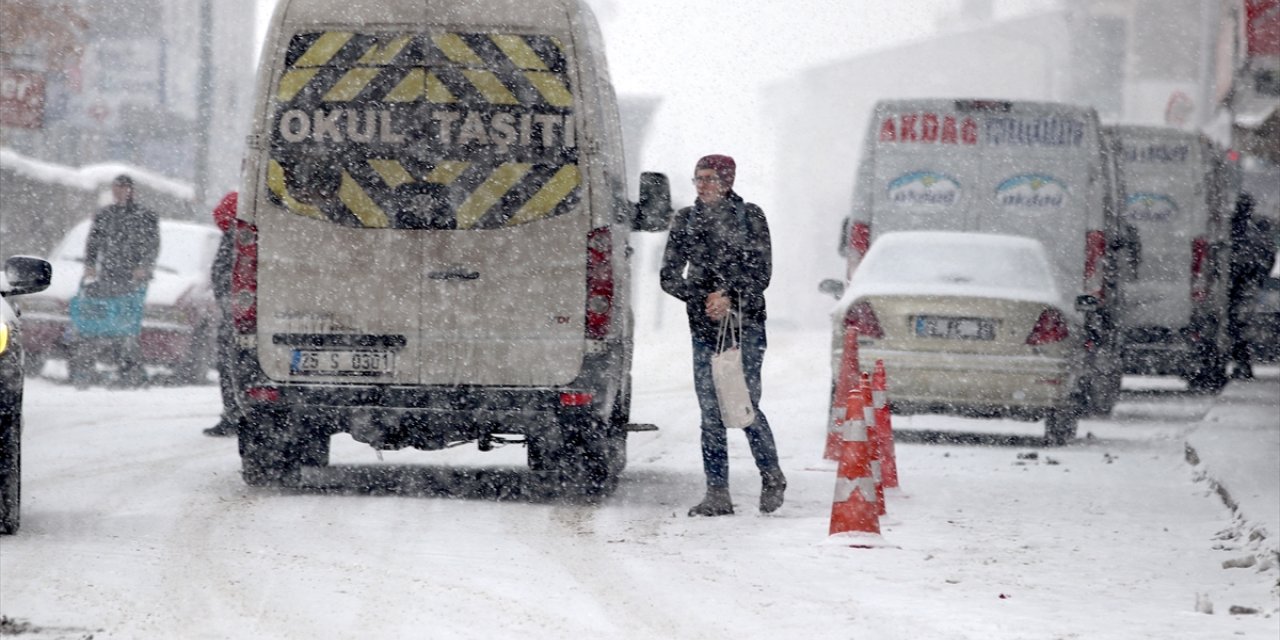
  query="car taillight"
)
[
  {"x": 1095, "y": 251},
  {"x": 1199, "y": 277},
  {"x": 599, "y": 283},
  {"x": 244, "y": 278},
  {"x": 861, "y": 319},
  {"x": 1049, "y": 328}
]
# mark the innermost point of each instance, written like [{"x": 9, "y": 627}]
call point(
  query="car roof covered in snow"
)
[{"x": 949, "y": 263}]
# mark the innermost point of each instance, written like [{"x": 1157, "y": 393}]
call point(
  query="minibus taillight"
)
[
  {"x": 1095, "y": 251},
  {"x": 1049, "y": 328},
  {"x": 599, "y": 283},
  {"x": 1199, "y": 260},
  {"x": 861, "y": 318},
  {"x": 244, "y": 278}
]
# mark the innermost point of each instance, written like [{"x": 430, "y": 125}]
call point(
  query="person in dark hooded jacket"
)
[
  {"x": 718, "y": 261},
  {"x": 224, "y": 216}
]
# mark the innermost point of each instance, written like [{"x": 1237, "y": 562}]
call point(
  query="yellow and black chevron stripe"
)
[
  {"x": 420, "y": 182},
  {"x": 450, "y": 194},
  {"x": 446, "y": 68}
]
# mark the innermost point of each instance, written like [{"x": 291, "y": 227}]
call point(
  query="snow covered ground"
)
[{"x": 137, "y": 526}]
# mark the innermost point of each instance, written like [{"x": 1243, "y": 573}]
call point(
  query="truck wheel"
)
[
  {"x": 270, "y": 450},
  {"x": 10, "y": 473},
  {"x": 1101, "y": 391},
  {"x": 1060, "y": 426},
  {"x": 1210, "y": 374}
]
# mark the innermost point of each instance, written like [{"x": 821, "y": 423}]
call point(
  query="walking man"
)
[
  {"x": 119, "y": 259},
  {"x": 718, "y": 261}
]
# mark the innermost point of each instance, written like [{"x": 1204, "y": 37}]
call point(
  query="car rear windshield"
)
[{"x": 438, "y": 130}]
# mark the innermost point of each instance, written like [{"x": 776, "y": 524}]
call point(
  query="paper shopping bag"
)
[{"x": 730, "y": 379}]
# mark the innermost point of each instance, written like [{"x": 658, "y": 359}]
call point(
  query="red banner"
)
[
  {"x": 21, "y": 99},
  {"x": 1262, "y": 28}
]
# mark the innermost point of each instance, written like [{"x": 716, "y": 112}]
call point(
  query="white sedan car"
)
[{"x": 967, "y": 324}]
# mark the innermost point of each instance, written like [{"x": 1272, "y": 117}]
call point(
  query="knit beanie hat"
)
[
  {"x": 724, "y": 166},
  {"x": 225, "y": 213}
]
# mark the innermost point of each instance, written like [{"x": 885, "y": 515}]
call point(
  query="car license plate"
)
[
  {"x": 955, "y": 328},
  {"x": 334, "y": 362}
]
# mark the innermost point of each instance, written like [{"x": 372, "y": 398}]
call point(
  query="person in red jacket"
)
[{"x": 224, "y": 216}]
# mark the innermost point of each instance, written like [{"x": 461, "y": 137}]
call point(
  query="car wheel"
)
[
  {"x": 195, "y": 369},
  {"x": 33, "y": 363},
  {"x": 10, "y": 472},
  {"x": 1060, "y": 426}
]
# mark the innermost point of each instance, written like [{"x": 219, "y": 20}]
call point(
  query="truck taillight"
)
[
  {"x": 1199, "y": 262},
  {"x": 1049, "y": 328},
  {"x": 860, "y": 239},
  {"x": 599, "y": 283},
  {"x": 1095, "y": 253},
  {"x": 244, "y": 278},
  {"x": 861, "y": 319}
]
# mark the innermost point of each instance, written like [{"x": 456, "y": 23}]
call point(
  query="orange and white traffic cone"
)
[
  {"x": 846, "y": 380},
  {"x": 875, "y": 436},
  {"x": 884, "y": 423},
  {"x": 854, "y": 513}
]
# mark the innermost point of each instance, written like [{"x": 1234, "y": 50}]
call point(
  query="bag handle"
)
[{"x": 730, "y": 332}]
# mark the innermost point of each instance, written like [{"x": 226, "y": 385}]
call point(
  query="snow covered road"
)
[{"x": 137, "y": 526}]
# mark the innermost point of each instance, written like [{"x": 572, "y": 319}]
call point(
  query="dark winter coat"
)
[
  {"x": 122, "y": 238},
  {"x": 220, "y": 272},
  {"x": 722, "y": 247}
]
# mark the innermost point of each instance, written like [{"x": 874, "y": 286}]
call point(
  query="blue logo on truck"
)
[
  {"x": 924, "y": 188},
  {"x": 1031, "y": 191},
  {"x": 1149, "y": 207}
]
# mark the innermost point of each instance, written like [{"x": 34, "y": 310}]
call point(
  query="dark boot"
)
[
  {"x": 225, "y": 427},
  {"x": 772, "y": 485},
  {"x": 717, "y": 503}
]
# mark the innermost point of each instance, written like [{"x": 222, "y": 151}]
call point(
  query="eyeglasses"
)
[{"x": 706, "y": 180}]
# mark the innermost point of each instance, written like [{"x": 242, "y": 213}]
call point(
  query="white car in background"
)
[
  {"x": 179, "y": 324},
  {"x": 967, "y": 324}
]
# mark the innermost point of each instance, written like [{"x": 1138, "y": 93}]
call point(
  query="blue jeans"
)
[{"x": 715, "y": 442}]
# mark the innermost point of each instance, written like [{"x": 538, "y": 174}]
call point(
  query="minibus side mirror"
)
[
  {"x": 1086, "y": 304},
  {"x": 26, "y": 275},
  {"x": 831, "y": 287},
  {"x": 653, "y": 212}
]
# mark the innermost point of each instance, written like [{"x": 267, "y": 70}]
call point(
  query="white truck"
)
[
  {"x": 432, "y": 244},
  {"x": 1041, "y": 170},
  {"x": 1179, "y": 200}
]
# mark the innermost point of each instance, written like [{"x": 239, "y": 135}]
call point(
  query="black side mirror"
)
[
  {"x": 1087, "y": 304},
  {"x": 653, "y": 212},
  {"x": 26, "y": 275},
  {"x": 831, "y": 287}
]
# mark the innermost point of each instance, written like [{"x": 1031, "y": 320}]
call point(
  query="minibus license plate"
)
[
  {"x": 342, "y": 362},
  {"x": 955, "y": 328}
]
